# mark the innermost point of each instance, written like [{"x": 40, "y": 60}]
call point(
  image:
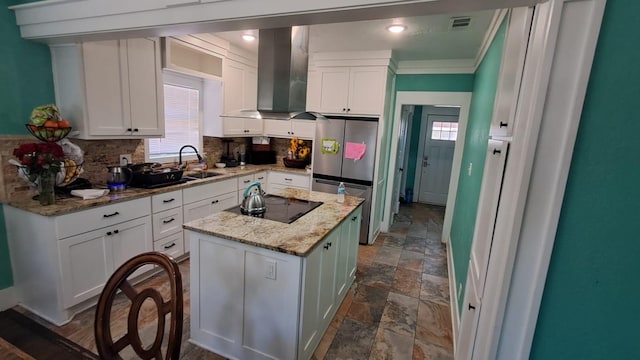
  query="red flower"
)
[{"x": 37, "y": 158}]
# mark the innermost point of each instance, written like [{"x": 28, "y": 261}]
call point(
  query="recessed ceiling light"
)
[
  {"x": 248, "y": 37},
  {"x": 396, "y": 28}
]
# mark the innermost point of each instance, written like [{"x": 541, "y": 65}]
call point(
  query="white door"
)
[
  {"x": 437, "y": 158},
  {"x": 407, "y": 113}
]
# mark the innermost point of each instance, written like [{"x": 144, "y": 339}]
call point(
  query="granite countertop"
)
[
  {"x": 297, "y": 238},
  {"x": 73, "y": 204}
]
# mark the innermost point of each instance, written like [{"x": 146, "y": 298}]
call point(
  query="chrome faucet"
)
[{"x": 180, "y": 155}]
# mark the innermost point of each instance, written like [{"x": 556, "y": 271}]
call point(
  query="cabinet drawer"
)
[
  {"x": 166, "y": 201},
  {"x": 167, "y": 222},
  {"x": 289, "y": 179},
  {"x": 87, "y": 220},
  {"x": 244, "y": 181},
  {"x": 172, "y": 245},
  {"x": 209, "y": 190}
]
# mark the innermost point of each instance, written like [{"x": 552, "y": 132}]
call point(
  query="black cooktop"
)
[{"x": 283, "y": 209}]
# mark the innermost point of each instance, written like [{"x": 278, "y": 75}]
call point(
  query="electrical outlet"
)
[
  {"x": 270, "y": 269},
  {"x": 125, "y": 159}
]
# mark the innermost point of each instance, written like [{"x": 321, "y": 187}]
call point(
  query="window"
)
[
  {"x": 182, "y": 118},
  {"x": 444, "y": 130}
]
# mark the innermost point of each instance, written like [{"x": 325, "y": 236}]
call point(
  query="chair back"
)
[{"x": 110, "y": 349}]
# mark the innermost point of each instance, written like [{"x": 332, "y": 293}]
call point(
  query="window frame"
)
[{"x": 174, "y": 78}]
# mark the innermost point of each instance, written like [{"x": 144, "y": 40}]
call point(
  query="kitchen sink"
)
[{"x": 200, "y": 175}]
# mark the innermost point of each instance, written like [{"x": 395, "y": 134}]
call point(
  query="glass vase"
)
[{"x": 46, "y": 193}]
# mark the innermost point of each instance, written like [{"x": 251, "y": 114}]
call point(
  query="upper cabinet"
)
[
  {"x": 347, "y": 90},
  {"x": 240, "y": 82},
  {"x": 110, "y": 89},
  {"x": 304, "y": 129},
  {"x": 348, "y": 83},
  {"x": 512, "y": 67}
]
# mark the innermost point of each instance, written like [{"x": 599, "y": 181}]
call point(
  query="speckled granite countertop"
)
[
  {"x": 73, "y": 204},
  {"x": 297, "y": 238}
]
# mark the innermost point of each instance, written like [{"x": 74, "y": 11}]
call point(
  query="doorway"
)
[
  {"x": 459, "y": 101},
  {"x": 439, "y": 130}
]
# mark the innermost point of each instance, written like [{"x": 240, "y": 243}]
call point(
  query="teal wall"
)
[
  {"x": 434, "y": 82},
  {"x": 590, "y": 303},
  {"x": 427, "y": 82},
  {"x": 475, "y": 147},
  {"x": 26, "y": 81}
]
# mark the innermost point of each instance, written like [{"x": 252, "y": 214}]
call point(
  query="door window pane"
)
[{"x": 444, "y": 131}]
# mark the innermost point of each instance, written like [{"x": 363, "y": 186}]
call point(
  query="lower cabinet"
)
[
  {"x": 203, "y": 200},
  {"x": 279, "y": 180},
  {"x": 56, "y": 276},
  {"x": 249, "y": 302}
]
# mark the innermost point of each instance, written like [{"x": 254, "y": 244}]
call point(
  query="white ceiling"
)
[{"x": 426, "y": 37}]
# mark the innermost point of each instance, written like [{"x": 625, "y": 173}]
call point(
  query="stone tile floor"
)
[{"x": 398, "y": 308}]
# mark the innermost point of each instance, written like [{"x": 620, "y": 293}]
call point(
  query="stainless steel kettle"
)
[
  {"x": 253, "y": 202},
  {"x": 118, "y": 177}
]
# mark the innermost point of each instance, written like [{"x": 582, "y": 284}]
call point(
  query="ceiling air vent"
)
[{"x": 459, "y": 23}]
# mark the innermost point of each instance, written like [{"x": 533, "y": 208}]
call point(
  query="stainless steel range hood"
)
[{"x": 283, "y": 58}]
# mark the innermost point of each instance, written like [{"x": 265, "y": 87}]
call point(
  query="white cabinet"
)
[
  {"x": 347, "y": 90},
  {"x": 328, "y": 260},
  {"x": 511, "y": 70},
  {"x": 240, "y": 83},
  {"x": 304, "y": 129},
  {"x": 246, "y": 180},
  {"x": 279, "y": 180},
  {"x": 238, "y": 126},
  {"x": 167, "y": 223},
  {"x": 275, "y": 305},
  {"x": 348, "y": 260},
  {"x": 203, "y": 200},
  {"x": 74, "y": 254},
  {"x": 110, "y": 89}
]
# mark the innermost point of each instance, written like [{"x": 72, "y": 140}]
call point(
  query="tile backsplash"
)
[{"x": 98, "y": 154}]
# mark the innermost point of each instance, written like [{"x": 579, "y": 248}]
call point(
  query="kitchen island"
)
[{"x": 262, "y": 289}]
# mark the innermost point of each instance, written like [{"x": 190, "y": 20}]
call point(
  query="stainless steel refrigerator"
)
[{"x": 344, "y": 150}]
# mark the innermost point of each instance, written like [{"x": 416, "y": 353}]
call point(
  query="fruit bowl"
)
[{"x": 47, "y": 133}]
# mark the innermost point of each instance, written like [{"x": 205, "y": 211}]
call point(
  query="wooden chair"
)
[{"x": 107, "y": 348}]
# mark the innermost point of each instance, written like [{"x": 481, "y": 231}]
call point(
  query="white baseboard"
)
[
  {"x": 453, "y": 295},
  {"x": 8, "y": 298}
]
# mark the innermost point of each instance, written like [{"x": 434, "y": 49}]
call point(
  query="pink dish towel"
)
[{"x": 354, "y": 151}]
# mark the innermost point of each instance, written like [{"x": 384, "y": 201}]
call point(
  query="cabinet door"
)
[
  {"x": 129, "y": 239},
  {"x": 232, "y": 84},
  {"x": 314, "y": 90},
  {"x": 223, "y": 202},
  {"x": 104, "y": 88},
  {"x": 250, "y": 88},
  {"x": 366, "y": 90},
  {"x": 355, "y": 222},
  {"x": 277, "y": 128},
  {"x": 145, "y": 87},
  {"x": 334, "y": 89},
  {"x": 253, "y": 127},
  {"x": 342, "y": 256},
  {"x": 305, "y": 129},
  {"x": 310, "y": 328},
  {"x": 86, "y": 262},
  {"x": 327, "y": 297},
  {"x": 232, "y": 126}
]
